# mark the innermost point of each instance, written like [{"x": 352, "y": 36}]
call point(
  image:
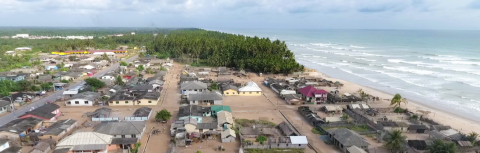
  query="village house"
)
[
  {"x": 414, "y": 128},
  {"x": 293, "y": 99},
  {"x": 229, "y": 90},
  {"x": 194, "y": 111},
  {"x": 44, "y": 79},
  {"x": 44, "y": 146},
  {"x": 192, "y": 125},
  {"x": 393, "y": 126},
  {"x": 289, "y": 142},
  {"x": 103, "y": 112},
  {"x": 22, "y": 126},
  {"x": 344, "y": 138},
  {"x": 250, "y": 89},
  {"x": 228, "y": 135},
  {"x": 109, "y": 76},
  {"x": 71, "y": 76},
  {"x": 86, "y": 142},
  {"x": 225, "y": 121},
  {"x": 125, "y": 134},
  {"x": 312, "y": 95},
  {"x": 87, "y": 98},
  {"x": 192, "y": 87},
  {"x": 134, "y": 98},
  {"x": 48, "y": 112},
  {"x": 287, "y": 129},
  {"x": 219, "y": 108},
  {"x": 7, "y": 147},
  {"x": 23, "y": 49},
  {"x": 5, "y": 106},
  {"x": 14, "y": 77},
  {"x": 142, "y": 112},
  {"x": 205, "y": 98},
  {"x": 59, "y": 129}
]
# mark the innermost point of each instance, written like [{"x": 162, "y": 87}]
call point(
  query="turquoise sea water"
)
[{"x": 440, "y": 69}]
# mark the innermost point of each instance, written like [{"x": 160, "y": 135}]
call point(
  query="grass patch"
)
[
  {"x": 247, "y": 122},
  {"x": 318, "y": 131},
  {"x": 277, "y": 150}
]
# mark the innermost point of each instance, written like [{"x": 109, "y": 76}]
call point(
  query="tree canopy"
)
[
  {"x": 163, "y": 115},
  {"x": 94, "y": 82},
  {"x": 397, "y": 100},
  {"x": 396, "y": 141},
  {"x": 222, "y": 49},
  {"x": 438, "y": 146}
]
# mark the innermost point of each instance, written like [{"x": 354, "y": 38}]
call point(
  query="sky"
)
[{"x": 245, "y": 14}]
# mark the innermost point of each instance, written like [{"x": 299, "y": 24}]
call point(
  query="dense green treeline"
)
[
  {"x": 222, "y": 49},
  {"x": 202, "y": 47}
]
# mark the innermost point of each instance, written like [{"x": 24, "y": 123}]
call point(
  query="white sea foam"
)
[
  {"x": 356, "y": 46},
  {"x": 364, "y": 59}
]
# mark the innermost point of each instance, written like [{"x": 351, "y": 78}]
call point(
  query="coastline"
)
[{"x": 457, "y": 122}]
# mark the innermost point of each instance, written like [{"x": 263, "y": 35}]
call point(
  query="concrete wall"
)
[
  {"x": 147, "y": 102},
  {"x": 247, "y": 93},
  {"x": 230, "y": 92},
  {"x": 287, "y": 145},
  {"x": 228, "y": 139},
  {"x": 81, "y": 102},
  {"x": 188, "y": 92},
  {"x": 121, "y": 103}
]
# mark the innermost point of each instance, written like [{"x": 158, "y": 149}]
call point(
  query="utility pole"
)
[{"x": 13, "y": 107}]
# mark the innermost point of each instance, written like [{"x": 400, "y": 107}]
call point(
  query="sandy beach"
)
[{"x": 459, "y": 123}]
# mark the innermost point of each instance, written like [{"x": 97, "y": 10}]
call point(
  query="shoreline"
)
[{"x": 457, "y": 122}]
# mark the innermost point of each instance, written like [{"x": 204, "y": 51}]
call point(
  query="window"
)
[
  {"x": 134, "y": 136},
  {"x": 77, "y": 102},
  {"x": 250, "y": 92},
  {"x": 111, "y": 102},
  {"x": 226, "y": 93},
  {"x": 149, "y": 101},
  {"x": 299, "y": 145},
  {"x": 69, "y": 102},
  {"x": 118, "y": 102},
  {"x": 195, "y": 90},
  {"x": 123, "y": 136},
  {"x": 86, "y": 102},
  {"x": 126, "y": 102}
]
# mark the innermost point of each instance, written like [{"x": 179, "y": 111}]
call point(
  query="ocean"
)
[{"x": 439, "y": 69}]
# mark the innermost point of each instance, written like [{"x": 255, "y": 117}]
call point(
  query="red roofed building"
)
[{"x": 313, "y": 95}]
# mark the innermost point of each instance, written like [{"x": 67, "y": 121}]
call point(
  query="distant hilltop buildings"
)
[{"x": 27, "y": 36}]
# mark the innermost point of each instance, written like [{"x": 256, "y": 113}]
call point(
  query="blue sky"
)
[{"x": 245, "y": 14}]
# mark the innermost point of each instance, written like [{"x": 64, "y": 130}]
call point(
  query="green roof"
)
[{"x": 218, "y": 109}]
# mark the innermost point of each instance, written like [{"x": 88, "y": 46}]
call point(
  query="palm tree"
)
[
  {"x": 397, "y": 100},
  {"x": 472, "y": 137},
  {"x": 396, "y": 141},
  {"x": 438, "y": 146}
]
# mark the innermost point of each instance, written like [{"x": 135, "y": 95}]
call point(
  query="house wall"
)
[
  {"x": 196, "y": 102},
  {"x": 4, "y": 109},
  {"x": 81, "y": 102},
  {"x": 147, "y": 102},
  {"x": 230, "y": 92},
  {"x": 198, "y": 118},
  {"x": 121, "y": 103},
  {"x": 67, "y": 78},
  {"x": 248, "y": 93},
  {"x": 108, "y": 77},
  {"x": 287, "y": 145},
  {"x": 192, "y": 91},
  {"x": 228, "y": 139},
  {"x": 402, "y": 129}
]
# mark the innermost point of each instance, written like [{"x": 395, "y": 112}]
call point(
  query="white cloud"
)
[{"x": 233, "y": 12}]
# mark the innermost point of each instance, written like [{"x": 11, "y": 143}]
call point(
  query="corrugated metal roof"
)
[
  {"x": 298, "y": 139},
  {"x": 86, "y": 138}
]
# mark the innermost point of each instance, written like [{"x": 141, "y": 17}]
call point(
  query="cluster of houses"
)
[
  {"x": 41, "y": 128},
  {"x": 195, "y": 123}
]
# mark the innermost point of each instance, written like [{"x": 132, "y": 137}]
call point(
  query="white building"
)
[
  {"x": 83, "y": 99},
  {"x": 21, "y": 36},
  {"x": 108, "y": 77}
]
